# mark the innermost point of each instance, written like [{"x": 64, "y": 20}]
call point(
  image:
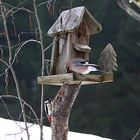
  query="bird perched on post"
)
[
  {"x": 48, "y": 109},
  {"x": 80, "y": 66}
]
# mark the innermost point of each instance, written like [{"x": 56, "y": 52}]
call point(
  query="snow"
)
[{"x": 14, "y": 130}]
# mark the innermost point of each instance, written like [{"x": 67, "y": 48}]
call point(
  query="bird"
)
[
  {"x": 48, "y": 109},
  {"x": 80, "y": 66}
]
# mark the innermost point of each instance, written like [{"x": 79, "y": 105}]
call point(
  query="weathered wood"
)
[
  {"x": 70, "y": 20},
  {"x": 107, "y": 77},
  {"x": 55, "y": 79},
  {"x": 71, "y": 33},
  {"x": 88, "y": 77},
  {"x": 107, "y": 60},
  {"x": 54, "y": 54},
  {"x": 82, "y": 47},
  {"x": 84, "y": 79},
  {"x": 64, "y": 56},
  {"x": 61, "y": 108}
]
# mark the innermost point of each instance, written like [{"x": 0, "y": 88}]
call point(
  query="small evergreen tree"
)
[{"x": 107, "y": 60}]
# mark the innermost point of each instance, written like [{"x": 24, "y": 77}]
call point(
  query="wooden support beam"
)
[
  {"x": 55, "y": 79},
  {"x": 73, "y": 78},
  {"x": 61, "y": 108}
]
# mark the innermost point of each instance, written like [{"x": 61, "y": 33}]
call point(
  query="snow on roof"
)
[
  {"x": 15, "y": 130},
  {"x": 69, "y": 20}
]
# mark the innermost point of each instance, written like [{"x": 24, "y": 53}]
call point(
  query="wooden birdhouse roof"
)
[{"x": 69, "y": 20}]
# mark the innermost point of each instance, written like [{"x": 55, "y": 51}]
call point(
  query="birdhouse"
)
[
  {"x": 71, "y": 32},
  {"x": 70, "y": 47}
]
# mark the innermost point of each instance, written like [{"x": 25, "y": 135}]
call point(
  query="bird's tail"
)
[
  {"x": 94, "y": 65},
  {"x": 94, "y": 69}
]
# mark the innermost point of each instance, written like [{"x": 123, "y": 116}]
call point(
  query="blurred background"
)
[{"x": 109, "y": 110}]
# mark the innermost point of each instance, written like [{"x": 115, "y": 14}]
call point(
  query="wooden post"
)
[{"x": 61, "y": 108}]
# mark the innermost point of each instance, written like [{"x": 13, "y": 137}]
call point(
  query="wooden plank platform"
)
[{"x": 74, "y": 78}]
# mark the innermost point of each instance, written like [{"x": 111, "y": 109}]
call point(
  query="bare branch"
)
[
  {"x": 22, "y": 129},
  {"x": 4, "y": 62},
  {"x": 15, "y": 97},
  {"x": 42, "y": 69},
  {"x": 42, "y": 4},
  {"x": 16, "y": 53},
  {"x": 138, "y": 132},
  {"x": 2, "y": 9},
  {"x": 14, "y": 9},
  {"x": 48, "y": 47},
  {"x": 6, "y": 81},
  {"x": 125, "y": 6}
]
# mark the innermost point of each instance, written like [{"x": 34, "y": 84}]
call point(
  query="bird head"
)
[{"x": 47, "y": 101}]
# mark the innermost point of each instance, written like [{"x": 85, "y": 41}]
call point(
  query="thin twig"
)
[
  {"x": 22, "y": 128},
  {"x": 71, "y": 2},
  {"x": 2, "y": 9},
  {"x": 42, "y": 70},
  {"x": 41, "y": 4},
  {"x": 16, "y": 53},
  {"x": 14, "y": 9},
  {"x": 48, "y": 47},
  {"x": 138, "y": 132},
  {"x": 15, "y": 97},
  {"x": 130, "y": 11}
]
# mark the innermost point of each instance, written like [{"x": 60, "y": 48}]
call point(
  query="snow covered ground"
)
[{"x": 14, "y": 130}]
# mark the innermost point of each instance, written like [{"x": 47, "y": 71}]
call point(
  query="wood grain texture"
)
[
  {"x": 73, "y": 78},
  {"x": 61, "y": 108}
]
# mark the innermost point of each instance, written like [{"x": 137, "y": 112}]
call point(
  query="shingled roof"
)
[{"x": 69, "y": 20}]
